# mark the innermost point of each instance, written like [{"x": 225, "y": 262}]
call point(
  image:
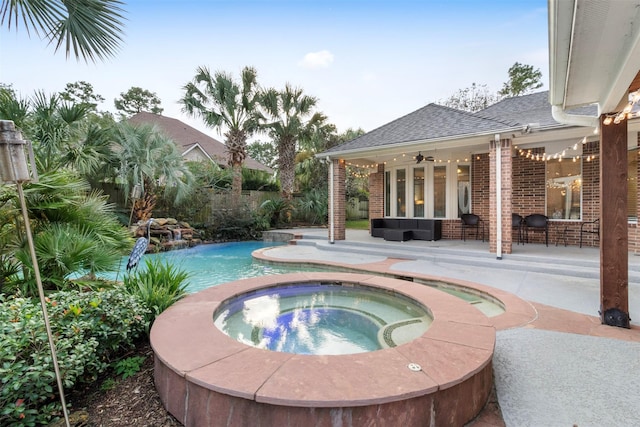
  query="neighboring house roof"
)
[
  {"x": 436, "y": 121},
  {"x": 189, "y": 139}
]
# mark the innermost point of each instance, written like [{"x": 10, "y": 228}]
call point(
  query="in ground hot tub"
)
[
  {"x": 436, "y": 374},
  {"x": 322, "y": 318}
]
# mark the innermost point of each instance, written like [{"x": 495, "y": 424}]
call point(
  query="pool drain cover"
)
[{"x": 414, "y": 367}]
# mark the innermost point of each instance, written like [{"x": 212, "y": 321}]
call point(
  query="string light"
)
[
  {"x": 559, "y": 155},
  {"x": 364, "y": 166},
  {"x": 626, "y": 113}
]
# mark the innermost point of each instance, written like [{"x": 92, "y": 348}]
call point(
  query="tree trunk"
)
[
  {"x": 236, "y": 184},
  {"x": 287, "y": 163},
  {"x": 143, "y": 207},
  {"x": 236, "y": 141}
]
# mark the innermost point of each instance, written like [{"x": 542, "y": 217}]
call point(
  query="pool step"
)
[{"x": 395, "y": 334}]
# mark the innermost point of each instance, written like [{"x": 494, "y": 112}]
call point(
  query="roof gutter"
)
[{"x": 561, "y": 116}]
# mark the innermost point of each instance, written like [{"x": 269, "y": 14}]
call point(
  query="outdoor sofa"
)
[{"x": 403, "y": 229}]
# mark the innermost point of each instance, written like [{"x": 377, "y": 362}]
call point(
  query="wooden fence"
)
[{"x": 357, "y": 209}]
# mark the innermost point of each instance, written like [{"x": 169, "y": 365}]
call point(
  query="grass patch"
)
[{"x": 358, "y": 224}]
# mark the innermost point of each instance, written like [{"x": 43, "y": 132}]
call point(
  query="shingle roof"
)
[
  {"x": 186, "y": 137},
  {"x": 436, "y": 121},
  {"x": 522, "y": 110}
]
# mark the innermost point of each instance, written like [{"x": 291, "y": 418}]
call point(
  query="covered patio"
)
[{"x": 569, "y": 154}]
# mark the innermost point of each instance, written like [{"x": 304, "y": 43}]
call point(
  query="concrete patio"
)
[{"x": 564, "y": 367}]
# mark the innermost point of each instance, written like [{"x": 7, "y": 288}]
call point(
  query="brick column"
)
[
  {"x": 376, "y": 194},
  {"x": 505, "y": 196},
  {"x": 339, "y": 200}
]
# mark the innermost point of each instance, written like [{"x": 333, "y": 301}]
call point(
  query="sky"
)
[{"x": 367, "y": 62}]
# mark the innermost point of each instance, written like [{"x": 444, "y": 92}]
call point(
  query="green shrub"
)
[
  {"x": 128, "y": 367},
  {"x": 158, "y": 286},
  {"x": 108, "y": 384},
  {"x": 89, "y": 329},
  {"x": 235, "y": 224},
  {"x": 277, "y": 211},
  {"x": 258, "y": 180},
  {"x": 312, "y": 207}
]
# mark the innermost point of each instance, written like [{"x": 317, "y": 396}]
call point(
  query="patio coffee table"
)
[{"x": 397, "y": 235}]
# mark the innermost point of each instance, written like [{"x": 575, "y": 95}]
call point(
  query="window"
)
[
  {"x": 464, "y": 190},
  {"x": 426, "y": 191},
  {"x": 387, "y": 193},
  {"x": 564, "y": 188},
  {"x": 632, "y": 185},
  {"x": 418, "y": 192},
  {"x": 401, "y": 184},
  {"x": 439, "y": 191}
]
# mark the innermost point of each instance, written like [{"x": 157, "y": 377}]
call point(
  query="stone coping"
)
[
  {"x": 458, "y": 345},
  {"x": 517, "y": 312}
]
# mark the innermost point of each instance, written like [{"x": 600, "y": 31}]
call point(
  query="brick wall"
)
[
  {"x": 339, "y": 200},
  {"x": 479, "y": 185},
  {"x": 376, "y": 194},
  {"x": 528, "y": 183}
]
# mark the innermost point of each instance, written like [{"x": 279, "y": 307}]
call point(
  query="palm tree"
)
[
  {"x": 287, "y": 112},
  {"x": 88, "y": 29},
  {"x": 75, "y": 230},
  {"x": 11, "y": 107},
  {"x": 64, "y": 133},
  {"x": 224, "y": 104},
  {"x": 148, "y": 158},
  {"x": 310, "y": 171}
]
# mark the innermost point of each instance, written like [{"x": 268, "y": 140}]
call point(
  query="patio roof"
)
[{"x": 435, "y": 123}]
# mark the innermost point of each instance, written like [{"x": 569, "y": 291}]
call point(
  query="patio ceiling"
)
[{"x": 594, "y": 52}]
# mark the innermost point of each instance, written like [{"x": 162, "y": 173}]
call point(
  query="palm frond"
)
[
  {"x": 88, "y": 29},
  {"x": 38, "y": 16},
  {"x": 91, "y": 28}
]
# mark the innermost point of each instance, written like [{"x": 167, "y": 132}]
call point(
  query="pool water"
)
[
  {"x": 322, "y": 319},
  {"x": 214, "y": 264},
  {"x": 210, "y": 265}
]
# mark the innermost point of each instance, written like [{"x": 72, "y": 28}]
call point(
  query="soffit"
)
[{"x": 594, "y": 51}]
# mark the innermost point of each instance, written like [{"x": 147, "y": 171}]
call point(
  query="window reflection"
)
[
  {"x": 401, "y": 183},
  {"x": 564, "y": 187},
  {"x": 418, "y": 192},
  {"x": 387, "y": 193},
  {"x": 440, "y": 191},
  {"x": 464, "y": 190}
]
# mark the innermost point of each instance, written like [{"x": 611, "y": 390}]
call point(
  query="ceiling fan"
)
[{"x": 420, "y": 158}]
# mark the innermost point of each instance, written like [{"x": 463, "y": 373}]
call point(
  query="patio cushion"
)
[{"x": 422, "y": 229}]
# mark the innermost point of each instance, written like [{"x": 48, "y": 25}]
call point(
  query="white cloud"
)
[{"x": 321, "y": 59}]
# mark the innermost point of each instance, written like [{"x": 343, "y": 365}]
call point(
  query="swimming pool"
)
[
  {"x": 210, "y": 265},
  {"x": 214, "y": 264}
]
